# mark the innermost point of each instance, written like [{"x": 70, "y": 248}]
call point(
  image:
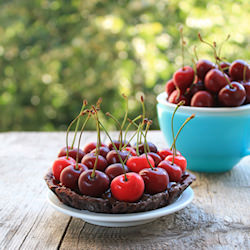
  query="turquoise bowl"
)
[{"x": 214, "y": 141}]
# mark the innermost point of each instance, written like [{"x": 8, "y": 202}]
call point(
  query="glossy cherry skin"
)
[
  {"x": 90, "y": 146},
  {"x": 175, "y": 98},
  {"x": 90, "y": 158},
  {"x": 117, "y": 144},
  {"x": 131, "y": 151},
  {"x": 151, "y": 146},
  {"x": 114, "y": 170},
  {"x": 195, "y": 88},
  {"x": 236, "y": 70},
  {"x": 215, "y": 80},
  {"x": 157, "y": 159},
  {"x": 202, "y": 67},
  {"x": 202, "y": 99},
  {"x": 103, "y": 151},
  {"x": 137, "y": 163},
  {"x": 232, "y": 97},
  {"x": 225, "y": 67},
  {"x": 183, "y": 78},
  {"x": 174, "y": 171},
  {"x": 112, "y": 157},
  {"x": 179, "y": 160},
  {"x": 170, "y": 87},
  {"x": 129, "y": 190},
  {"x": 165, "y": 152},
  {"x": 59, "y": 164},
  {"x": 246, "y": 86},
  {"x": 70, "y": 175},
  {"x": 93, "y": 186},
  {"x": 156, "y": 180},
  {"x": 72, "y": 153}
]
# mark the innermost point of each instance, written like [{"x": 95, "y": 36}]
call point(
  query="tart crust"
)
[{"x": 107, "y": 204}]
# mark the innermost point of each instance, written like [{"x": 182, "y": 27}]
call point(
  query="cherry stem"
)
[
  {"x": 195, "y": 53},
  {"x": 106, "y": 132},
  {"x": 143, "y": 116},
  {"x": 137, "y": 139},
  {"x": 130, "y": 123},
  {"x": 146, "y": 143},
  {"x": 183, "y": 43},
  {"x": 219, "y": 52},
  {"x": 244, "y": 72}
]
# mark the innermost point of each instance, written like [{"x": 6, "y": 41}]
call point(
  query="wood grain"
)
[{"x": 218, "y": 218}]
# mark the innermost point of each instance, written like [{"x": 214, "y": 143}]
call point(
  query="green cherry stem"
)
[
  {"x": 146, "y": 143},
  {"x": 219, "y": 52},
  {"x": 126, "y": 112},
  {"x": 137, "y": 138},
  {"x": 130, "y": 123},
  {"x": 195, "y": 54},
  {"x": 244, "y": 73},
  {"x": 143, "y": 117}
]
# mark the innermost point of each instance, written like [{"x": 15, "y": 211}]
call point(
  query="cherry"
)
[
  {"x": 224, "y": 66},
  {"x": 129, "y": 190},
  {"x": 183, "y": 78},
  {"x": 90, "y": 158},
  {"x": 202, "y": 99},
  {"x": 151, "y": 146},
  {"x": 115, "y": 169},
  {"x": 179, "y": 160},
  {"x": 137, "y": 163},
  {"x": 174, "y": 171},
  {"x": 202, "y": 67},
  {"x": 157, "y": 159},
  {"x": 169, "y": 87},
  {"x": 93, "y": 186},
  {"x": 176, "y": 97},
  {"x": 246, "y": 85},
  {"x": 215, "y": 80},
  {"x": 117, "y": 144},
  {"x": 156, "y": 180},
  {"x": 195, "y": 88},
  {"x": 90, "y": 146},
  {"x": 103, "y": 151},
  {"x": 165, "y": 152},
  {"x": 59, "y": 164},
  {"x": 112, "y": 156},
  {"x": 70, "y": 175},
  {"x": 236, "y": 70},
  {"x": 131, "y": 150},
  {"x": 232, "y": 96},
  {"x": 72, "y": 153}
]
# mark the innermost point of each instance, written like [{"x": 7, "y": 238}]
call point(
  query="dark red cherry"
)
[
  {"x": 202, "y": 99},
  {"x": 114, "y": 170},
  {"x": 157, "y": 159},
  {"x": 246, "y": 85},
  {"x": 117, "y": 144},
  {"x": 202, "y": 67},
  {"x": 215, "y": 80},
  {"x": 70, "y": 175},
  {"x": 224, "y": 66},
  {"x": 169, "y": 87},
  {"x": 175, "y": 98},
  {"x": 131, "y": 151},
  {"x": 166, "y": 152},
  {"x": 195, "y": 88},
  {"x": 112, "y": 156},
  {"x": 183, "y": 78},
  {"x": 174, "y": 171},
  {"x": 103, "y": 151},
  {"x": 95, "y": 186},
  {"x": 72, "y": 153},
  {"x": 232, "y": 96},
  {"x": 236, "y": 70},
  {"x": 152, "y": 148},
  {"x": 90, "y": 146},
  {"x": 156, "y": 180},
  {"x": 90, "y": 158}
]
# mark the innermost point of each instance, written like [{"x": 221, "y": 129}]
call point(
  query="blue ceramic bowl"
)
[{"x": 214, "y": 141}]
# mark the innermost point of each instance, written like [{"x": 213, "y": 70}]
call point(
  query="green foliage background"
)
[{"x": 55, "y": 53}]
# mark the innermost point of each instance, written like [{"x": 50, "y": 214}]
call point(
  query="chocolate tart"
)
[{"x": 107, "y": 204}]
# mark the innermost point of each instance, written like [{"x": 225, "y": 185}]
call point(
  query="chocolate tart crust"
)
[{"x": 107, "y": 204}]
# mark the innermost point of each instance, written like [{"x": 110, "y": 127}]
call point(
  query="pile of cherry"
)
[
  {"x": 209, "y": 84},
  {"x": 127, "y": 171}
]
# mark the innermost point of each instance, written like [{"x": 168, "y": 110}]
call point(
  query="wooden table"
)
[{"x": 218, "y": 217}]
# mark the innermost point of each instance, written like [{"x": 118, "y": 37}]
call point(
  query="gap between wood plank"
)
[{"x": 64, "y": 233}]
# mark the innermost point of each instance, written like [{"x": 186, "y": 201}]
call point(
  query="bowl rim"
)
[{"x": 161, "y": 98}]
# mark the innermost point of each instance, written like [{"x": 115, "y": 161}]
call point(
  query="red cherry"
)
[
  {"x": 183, "y": 78},
  {"x": 169, "y": 87},
  {"x": 112, "y": 156},
  {"x": 174, "y": 171},
  {"x": 202, "y": 99},
  {"x": 202, "y": 67},
  {"x": 151, "y": 146},
  {"x": 93, "y": 186},
  {"x": 137, "y": 163},
  {"x": 157, "y": 159},
  {"x": 165, "y": 152},
  {"x": 59, "y": 164},
  {"x": 246, "y": 85},
  {"x": 72, "y": 153},
  {"x": 215, "y": 80},
  {"x": 156, "y": 180},
  {"x": 70, "y": 175},
  {"x": 225, "y": 67},
  {"x": 236, "y": 70},
  {"x": 195, "y": 88},
  {"x": 129, "y": 190},
  {"x": 90, "y": 146},
  {"x": 131, "y": 150},
  {"x": 117, "y": 144},
  {"x": 103, "y": 151},
  {"x": 175, "y": 98},
  {"x": 90, "y": 158},
  {"x": 179, "y": 161},
  {"x": 232, "y": 97},
  {"x": 114, "y": 170}
]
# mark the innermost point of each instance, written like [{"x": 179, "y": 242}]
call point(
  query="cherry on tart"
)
[
  {"x": 137, "y": 163},
  {"x": 202, "y": 99},
  {"x": 103, "y": 151},
  {"x": 170, "y": 87},
  {"x": 131, "y": 151},
  {"x": 93, "y": 186},
  {"x": 70, "y": 175},
  {"x": 232, "y": 95},
  {"x": 183, "y": 78},
  {"x": 165, "y": 152},
  {"x": 117, "y": 144},
  {"x": 112, "y": 156},
  {"x": 202, "y": 67},
  {"x": 174, "y": 171},
  {"x": 128, "y": 189},
  {"x": 90, "y": 146},
  {"x": 179, "y": 160},
  {"x": 237, "y": 69},
  {"x": 90, "y": 158},
  {"x": 59, "y": 164},
  {"x": 151, "y": 146},
  {"x": 72, "y": 153},
  {"x": 157, "y": 159},
  {"x": 115, "y": 169},
  {"x": 156, "y": 180}
]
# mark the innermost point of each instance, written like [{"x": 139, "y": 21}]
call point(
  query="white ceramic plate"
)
[{"x": 122, "y": 220}]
